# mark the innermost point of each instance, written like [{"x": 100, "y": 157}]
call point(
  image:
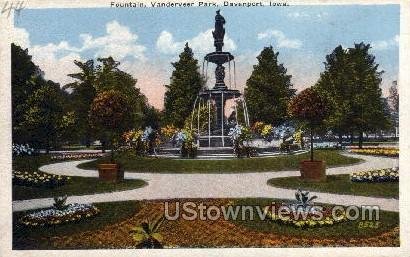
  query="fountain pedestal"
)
[{"x": 216, "y": 135}]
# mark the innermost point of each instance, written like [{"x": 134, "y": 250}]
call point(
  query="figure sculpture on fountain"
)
[{"x": 219, "y": 31}]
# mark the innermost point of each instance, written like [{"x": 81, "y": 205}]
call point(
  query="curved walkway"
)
[{"x": 238, "y": 185}]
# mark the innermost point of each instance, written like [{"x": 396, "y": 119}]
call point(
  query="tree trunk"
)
[
  {"x": 340, "y": 138},
  {"x": 103, "y": 146},
  {"x": 360, "y": 139},
  {"x": 351, "y": 138},
  {"x": 87, "y": 142},
  {"x": 311, "y": 144}
]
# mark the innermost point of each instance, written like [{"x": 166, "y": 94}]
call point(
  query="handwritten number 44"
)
[{"x": 9, "y": 6}]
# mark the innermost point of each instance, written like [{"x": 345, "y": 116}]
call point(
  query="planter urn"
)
[
  {"x": 314, "y": 171},
  {"x": 110, "y": 172}
]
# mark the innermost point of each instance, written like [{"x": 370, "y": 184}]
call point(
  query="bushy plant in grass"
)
[
  {"x": 186, "y": 140},
  {"x": 303, "y": 213},
  {"x": 60, "y": 203},
  {"x": 146, "y": 235},
  {"x": 240, "y": 136}
]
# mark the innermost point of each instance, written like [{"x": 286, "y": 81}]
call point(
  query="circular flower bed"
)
[
  {"x": 71, "y": 212},
  {"x": 305, "y": 217},
  {"x": 382, "y": 175},
  {"x": 76, "y": 156},
  {"x": 37, "y": 178},
  {"x": 389, "y": 152}
]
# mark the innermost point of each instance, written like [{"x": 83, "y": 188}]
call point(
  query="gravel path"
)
[{"x": 168, "y": 186}]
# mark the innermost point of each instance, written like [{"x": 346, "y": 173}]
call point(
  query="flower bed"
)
[
  {"x": 311, "y": 219},
  {"x": 22, "y": 150},
  {"x": 52, "y": 216},
  {"x": 39, "y": 179},
  {"x": 76, "y": 156},
  {"x": 389, "y": 152},
  {"x": 382, "y": 175}
]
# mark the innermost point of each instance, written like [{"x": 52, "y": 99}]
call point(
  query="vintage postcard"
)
[{"x": 204, "y": 128}]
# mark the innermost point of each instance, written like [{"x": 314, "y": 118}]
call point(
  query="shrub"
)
[
  {"x": 240, "y": 137},
  {"x": 186, "y": 140},
  {"x": 146, "y": 235}
]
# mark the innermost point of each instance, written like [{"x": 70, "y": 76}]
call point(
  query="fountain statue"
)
[{"x": 215, "y": 98}]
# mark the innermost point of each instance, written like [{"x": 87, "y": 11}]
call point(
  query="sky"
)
[{"x": 147, "y": 40}]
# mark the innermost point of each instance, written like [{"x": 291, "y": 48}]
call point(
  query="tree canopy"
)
[
  {"x": 269, "y": 89},
  {"x": 351, "y": 83},
  {"x": 186, "y": 82}
]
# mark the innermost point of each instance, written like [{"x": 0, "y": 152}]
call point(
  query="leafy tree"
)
[
  {"x": 367, "y": 104},
  {"x": 310, "y": 108},
  {"x": 110, "y": 115},
  {"x": 269, "y": 89},
  {"x": 351, "y": 85},
  {"x": 43, "y": 117},
  {"x": 83, "y": 94},
  {"x": 26, "y": 78},
  {"x": 334, "y": 85},
  {"x": 110, "y": 77},
  {"x": 186, "y": 82},
  {"x": 151, "y": 117},
  {"x": 393, "y": 100},
  {"x": 103, "y": 77}
]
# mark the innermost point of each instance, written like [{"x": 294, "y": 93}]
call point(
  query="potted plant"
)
[
  {"x": 310, "y": 109},
  {"x": 110, "y": 115}
]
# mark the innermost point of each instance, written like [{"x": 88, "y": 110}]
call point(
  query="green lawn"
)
[
  {"x": 76, "y": 186},
  {"x": 162, "y": 165},
  {"x": 340, "y": 184},
  {"x": 348, "y": 229},
  {"x": 37, "y": 238}
]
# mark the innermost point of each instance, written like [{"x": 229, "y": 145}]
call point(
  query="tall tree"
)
[
  {"x": 367, "y": 104},
  {"x": 83, "y": 93},
  {"x": 351, "y": 84},
  {"x": 186, "y": 82},
  {"x": 334, "y": 85},
  {"x": 393, "y": 100},
  {"x": 269, "y": 89},
  {"x": 26, "y": 78}
]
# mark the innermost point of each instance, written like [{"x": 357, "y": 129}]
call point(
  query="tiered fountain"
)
[{"x": 215, "y": 98}]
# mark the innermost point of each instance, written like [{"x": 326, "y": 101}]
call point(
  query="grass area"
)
[
  {"x": 340, "y": 184},
  {"x": 38, "y": 238},
  {"x": 76, "y": 186},
  {"x": 131, "y": 163},
  {"x": 349, "y": 229}
]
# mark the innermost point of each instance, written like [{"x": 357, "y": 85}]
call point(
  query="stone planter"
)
[
  {"x": 313, "y": 170},
  {"x": 110, "y": 172}
]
